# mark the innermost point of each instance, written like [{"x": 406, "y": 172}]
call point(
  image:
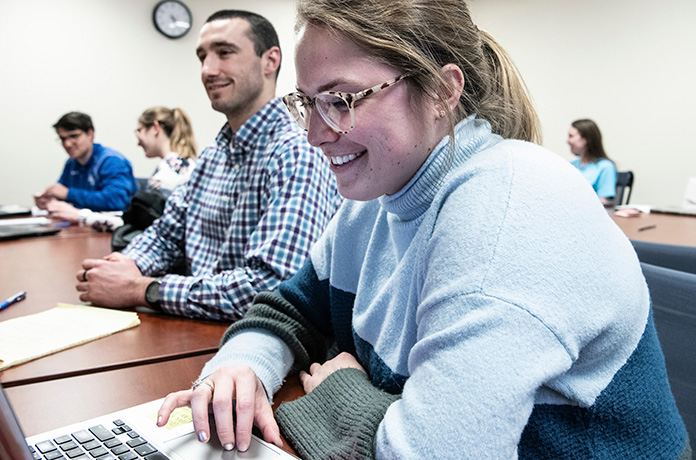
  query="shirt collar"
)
[{"x": 248, "y": 135}]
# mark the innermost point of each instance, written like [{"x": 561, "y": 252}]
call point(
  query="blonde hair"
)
[
  {"x": 176, "y": 125},
  {"x": 419, "y": 37}
]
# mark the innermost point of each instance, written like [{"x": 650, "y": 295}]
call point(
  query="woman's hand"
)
[
  {"x": 318, "y": 372},
  {"x": 237, "y": 387}
]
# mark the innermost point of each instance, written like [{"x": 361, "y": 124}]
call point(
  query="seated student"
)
[
  {"x": 94, "y": 177},
  {"x": 585, "y": 141},
  {"x": 162, "y": 133},
  {"x": 470, "y": 322},
  {"x": 257, "y": 200}
]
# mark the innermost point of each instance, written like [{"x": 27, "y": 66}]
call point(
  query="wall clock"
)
[{"x": 172, "y": 18}]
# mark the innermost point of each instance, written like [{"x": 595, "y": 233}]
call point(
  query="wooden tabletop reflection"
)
[
  {"x": 46, "y": 268},
  {"x": 659, "y": 228}
]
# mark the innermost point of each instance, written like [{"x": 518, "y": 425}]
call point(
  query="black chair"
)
[
  {"x": 673, "y": 256},
  {"x": 673, "y": 296},
  {"x": 624, "y": 180},
  {"x": 142, "y": 182}
]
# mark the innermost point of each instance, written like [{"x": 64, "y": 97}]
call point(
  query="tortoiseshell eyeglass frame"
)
[{"x": 350, "y": 99}]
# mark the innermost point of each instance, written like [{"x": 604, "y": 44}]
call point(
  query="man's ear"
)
[
  {"x": 90, "y": 133},
  {"x": 454, "y": 76},
  {"x": 271, "y": 61}
]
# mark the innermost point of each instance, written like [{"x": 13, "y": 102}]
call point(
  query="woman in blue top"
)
[
  {"x": 585, "y": 141},
  {"x": 467, "y": 320}
]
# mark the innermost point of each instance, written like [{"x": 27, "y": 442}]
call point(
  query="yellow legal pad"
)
[{"x": 65, "y": 326}]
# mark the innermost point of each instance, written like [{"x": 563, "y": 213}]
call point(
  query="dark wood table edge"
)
[{"x": 106, "y": 368}]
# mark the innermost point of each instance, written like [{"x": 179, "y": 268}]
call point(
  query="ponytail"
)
[
  {"x": 176, "y": 125},
  {"x": 181, "y": 137},
  {"x": 514, "y": 116}
]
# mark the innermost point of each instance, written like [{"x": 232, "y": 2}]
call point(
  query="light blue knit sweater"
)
[{"x": 497, "y": 309}]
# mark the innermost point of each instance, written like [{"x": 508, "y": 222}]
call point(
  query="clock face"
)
[{"x": 172, "y": 18}]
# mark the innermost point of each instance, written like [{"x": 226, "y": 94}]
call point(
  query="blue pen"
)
[{"x": 14, "y": 299}]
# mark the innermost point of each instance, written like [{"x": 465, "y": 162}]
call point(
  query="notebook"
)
[{"x": 129, "y": 434}]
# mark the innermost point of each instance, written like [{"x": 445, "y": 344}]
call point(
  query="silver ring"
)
[
  {"x": 84, "y": 275},
  {"x": 200, "y": 382}
]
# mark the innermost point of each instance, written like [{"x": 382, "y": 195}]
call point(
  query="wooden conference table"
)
[
  {"x": 163, "y": 354},
  {"x": 659, "y": 228},
  {"x": 46, "y": 267},
  {"x": 87, "y": 396}
]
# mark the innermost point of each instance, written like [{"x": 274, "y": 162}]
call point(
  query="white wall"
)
[
  {"x": 630, "y": 65},
  {"x": 105, "y": 58}
]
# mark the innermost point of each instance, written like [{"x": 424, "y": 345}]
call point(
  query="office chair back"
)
[
  {"x": 624, "y": 180},
  {"x": 673, "y": 256},
  {"x": 674, "y": 311}
]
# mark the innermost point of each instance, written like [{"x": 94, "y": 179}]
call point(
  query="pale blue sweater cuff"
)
[{"x": 259, "y": 350}]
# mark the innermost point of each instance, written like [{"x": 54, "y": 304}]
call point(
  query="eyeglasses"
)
[
  {"x": 69, "y": 137},
  {"x": 336, "y": 108}
]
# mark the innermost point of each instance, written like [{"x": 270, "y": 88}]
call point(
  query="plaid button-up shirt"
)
[{"x": 256, "y": 201}]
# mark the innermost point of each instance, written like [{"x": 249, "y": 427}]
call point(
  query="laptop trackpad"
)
[{"x": 188, "y": 447}]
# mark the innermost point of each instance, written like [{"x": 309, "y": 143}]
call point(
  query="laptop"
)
[
  {"x": 13, "y": 210},
  {"x": 15, "y": 232},
  {"x": 130, "y": 434},
  {"x": 678, "y": 210},
  {"x": 12, "y": 229}
]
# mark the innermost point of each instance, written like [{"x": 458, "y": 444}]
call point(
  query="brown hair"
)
[
  {"x": 588, "y": 130},
  {"x": 75, "y": 120},
  {"x": 261, "y": 31},
  {"x": 421, "y": 36},
  {"x": 176, "y": 125}
]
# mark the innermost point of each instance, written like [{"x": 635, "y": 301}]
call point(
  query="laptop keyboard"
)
[{"x": 116, "y": 442}]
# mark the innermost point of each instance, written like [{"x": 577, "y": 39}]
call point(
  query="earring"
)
[{"x": 442, "y": 114}]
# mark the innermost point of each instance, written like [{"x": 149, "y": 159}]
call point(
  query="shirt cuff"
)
[
  {"x": 83, "y": 216},
  {"x": 258, "y": 349}
]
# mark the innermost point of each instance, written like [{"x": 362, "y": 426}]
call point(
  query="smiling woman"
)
[
  {"x": 381, "y": 145},
  {"x": 445, "y": 312}
]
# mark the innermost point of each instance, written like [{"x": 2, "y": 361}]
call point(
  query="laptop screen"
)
[{"x": 13, "y": 446}]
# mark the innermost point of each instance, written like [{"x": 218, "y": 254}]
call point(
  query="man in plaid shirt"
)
[{"x": 256, "y": 201}]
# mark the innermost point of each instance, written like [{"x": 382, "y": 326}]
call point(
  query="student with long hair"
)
[
  {"x": 585, "y": 142},
  {"x": 470, "y": 317}
]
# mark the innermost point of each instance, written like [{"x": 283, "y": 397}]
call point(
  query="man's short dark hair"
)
[
  {"x": 263, "y": 34},
  {"x": 75, "y": 120}
]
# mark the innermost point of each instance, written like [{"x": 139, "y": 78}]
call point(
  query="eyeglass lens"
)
[{"x": 333, "y": 109}]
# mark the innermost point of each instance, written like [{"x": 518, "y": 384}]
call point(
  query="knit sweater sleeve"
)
[
  {"x": 338, "y": 419},
  {"x": 272, "y": 313}
]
